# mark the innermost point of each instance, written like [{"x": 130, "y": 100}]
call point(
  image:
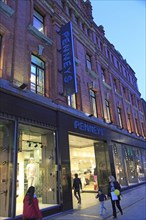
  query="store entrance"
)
[{"x": 82, "y": 160}]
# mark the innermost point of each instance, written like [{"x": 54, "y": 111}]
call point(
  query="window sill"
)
[
  {"x": 92, "y": 73},
  {"x": 6, "y": 9},
  {"x": 106, "y": 85},
  {"x": 38, "y": 34}
]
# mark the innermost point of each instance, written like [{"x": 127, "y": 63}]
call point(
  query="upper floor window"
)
[
  {"x": 4, "y": 1},
  {"x": 112, "y": 57},
  {"x": 101, "y": 46},
  {"x": 103, "y": 75},
  {"x": 115, "y": 85},
  {"x": 142, "y": 129},
  {"x": 37, "y": 75},
  {"x": 108, "y": 54},
  {"x": 129, "y": 126},
  {"x": 136, "y": 126},
  {"x": 108, "y": 114},
  {"x": 38, "y": 21},
  {"x": 72, "y": 101},
  {"x": 89, "y": 64},
  {"x": 93, "y": 102},
  {"x": 120, "y": 117}
]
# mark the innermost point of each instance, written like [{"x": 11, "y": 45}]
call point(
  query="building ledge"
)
[
  {"x": 92, "y": 74},
  {"x": 38, "y": 34},
  {"x": 6, "y": 9}
]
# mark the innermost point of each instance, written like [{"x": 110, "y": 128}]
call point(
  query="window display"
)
[
  {"x": 6, "y": 167},
  {"x": 130, "y": 164},
  {"x": 119, "y": 164},
  {"x": 139, "y": 164},
  {"x": 36, "y": 165}
]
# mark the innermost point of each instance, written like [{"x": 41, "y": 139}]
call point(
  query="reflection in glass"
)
[
  {"x": 36, "y": 166},
  {"x": 119, "y": 164},
  {"x": 6, "y": 167}
]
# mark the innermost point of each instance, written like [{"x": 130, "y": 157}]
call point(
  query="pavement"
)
[{"x": 133, "y": 203}]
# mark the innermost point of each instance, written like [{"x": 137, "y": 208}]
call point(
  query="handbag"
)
[{"x": 113, "y": 196}]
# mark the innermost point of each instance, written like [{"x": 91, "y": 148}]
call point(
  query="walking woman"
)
[
  {"x": 115, "y": 197},
  {"x": 31, "y": 209}
]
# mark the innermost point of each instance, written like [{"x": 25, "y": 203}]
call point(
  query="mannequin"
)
[{"x": 31, "y": 172}]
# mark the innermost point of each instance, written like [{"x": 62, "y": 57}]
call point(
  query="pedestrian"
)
[
  {"x": 101, "y": 196},
  {"x": 77, "y": 186},
  {"x": 114, "y": 192},
  {"x": 31, "y": 209}
]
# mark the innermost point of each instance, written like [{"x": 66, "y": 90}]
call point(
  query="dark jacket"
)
[
  {"x": 101, "y": 197},
  {"x": 77, "y": 183},
  {"x": 116, "y": 186}
]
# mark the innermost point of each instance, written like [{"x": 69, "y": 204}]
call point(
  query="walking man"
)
[{"x": 77, "y": 186}]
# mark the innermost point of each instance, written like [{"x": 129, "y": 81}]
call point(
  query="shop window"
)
[
  {"x": 143, "y": 153},
  {"x": 6, "y": 168},
  {"x": 89, "y": 63},
  {"x": 36, "y": 165},
  {"x": 119, "y": 164},
  {"x": 108, "y": 114},
  {"x": 37, "y": 75},
  {"x": 38, "y": 21},
  {"x": 0, "y": 55},
  {"x": 131, "y": 167},
  {"x": 139, "y": 165},
  {"x": 93, "y": 102},
  {"x": 120, "y": 117},
  {"x": 72, "y": 101}
]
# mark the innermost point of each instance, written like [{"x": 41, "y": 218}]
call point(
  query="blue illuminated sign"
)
[
  {"x": 88, "y": 128},
  {"x": 68, "y": 62}
]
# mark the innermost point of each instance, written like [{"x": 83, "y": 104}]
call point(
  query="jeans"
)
[
  {"x": 77, "y": 194},
  {"x": 102, "y": 207}
]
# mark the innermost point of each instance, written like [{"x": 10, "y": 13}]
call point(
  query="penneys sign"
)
[
  {"x": 68, "y": 62},
  {"x": 92, "y": 129}
]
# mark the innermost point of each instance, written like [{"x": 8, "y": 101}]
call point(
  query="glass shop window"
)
[
  {"x": 130, "y": 164},
  {"x": 119, "y": 164},
  {"x": 139, "y": 165},
  {"x": 36, "y": 166},
  {"x": 6, "y": 167}
]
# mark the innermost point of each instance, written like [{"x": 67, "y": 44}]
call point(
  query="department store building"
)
[{"x": 69, "y": 103}]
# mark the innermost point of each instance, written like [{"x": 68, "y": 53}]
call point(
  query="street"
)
[{"x": 133, "y": 203}]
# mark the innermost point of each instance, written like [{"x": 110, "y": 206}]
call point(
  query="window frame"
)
[
  {"x": 108, "y": 111},
  {"x": 88, "y": 61},
  {"x": 41, "y": 22},
  {"x": 36, "y": 84},
  {"x": 120, "y": 117},
  {"x": 93, "y": 101}
]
